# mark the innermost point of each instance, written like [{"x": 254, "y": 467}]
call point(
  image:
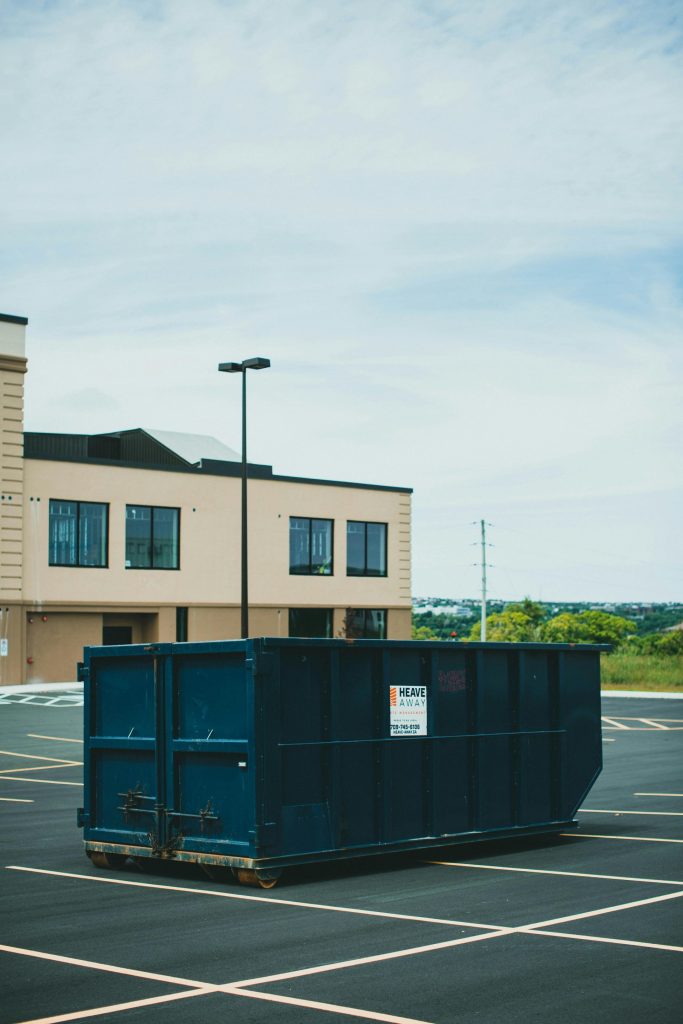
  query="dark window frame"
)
[
  {"x": 152, "y": 568},
  {"x": 365, "y": 523},
  {"x": 310, "y": 571},
  {"x": 77, "y": 546}
]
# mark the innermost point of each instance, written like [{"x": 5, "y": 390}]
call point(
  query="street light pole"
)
[{"x": 256, "y": 363}]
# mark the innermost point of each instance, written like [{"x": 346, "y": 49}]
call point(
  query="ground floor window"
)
[
  {"x": 366, "y": 623},
  {"x": 181, "y": 625},
  {"x": 310, "y": 622}
]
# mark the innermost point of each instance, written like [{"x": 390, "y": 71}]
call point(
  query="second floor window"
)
[
  {"x": 78, "y": 533},
  {"x": 310, "y": 546},
  {"x": 366, "y": 549},
  {"x": 152, "y": 537}
]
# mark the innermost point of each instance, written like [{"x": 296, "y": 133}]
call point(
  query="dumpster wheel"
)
[
  {"x": 101, "y": 859},
  {"x": 246, "y": 876}
]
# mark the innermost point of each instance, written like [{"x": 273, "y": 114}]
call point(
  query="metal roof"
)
[{"x": 194, "y": 447}]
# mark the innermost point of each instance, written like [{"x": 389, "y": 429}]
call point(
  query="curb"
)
[
  {"x": 40, "y": 687},
  {"x": 663, "y": 694}
]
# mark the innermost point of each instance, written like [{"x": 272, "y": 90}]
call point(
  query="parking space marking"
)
[
  {"x": 59, "y": 739},
  {"x": 94, "y": 965},
  {"x": 37, "y": 757},
  {"x": 537, "y": 925},
  {"x": 627, "y": 839},
  {"x": 43, "y": 782},
  {"x": 312, "y": 1004},
  {"x": 42, "y": 767},
  {"x": 244, "y": 988},
  {"x": 603, "y": 938},
  {"x": 658, "y": 794},
  {"x": 644, "y": 724},
  {"x": 248, "y": 898},
  {"x": 632, "y": 718},
  {"x": 99, "y": 1011},
  {"x": 546, "y": 871},
  {"x": 655, "y": 814},
  {"x": 202, "y": 988},
  {"x": 14, "y": 800},
  {"x": 377, "y": 958}
]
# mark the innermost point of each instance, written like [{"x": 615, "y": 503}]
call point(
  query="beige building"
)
[{"x": 134, "y": 536}]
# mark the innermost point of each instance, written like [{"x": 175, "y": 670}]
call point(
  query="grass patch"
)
[{"x": 642, "y": 672}]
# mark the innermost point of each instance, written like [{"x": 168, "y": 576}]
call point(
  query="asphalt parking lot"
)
[{"x": 580, "y": 927}]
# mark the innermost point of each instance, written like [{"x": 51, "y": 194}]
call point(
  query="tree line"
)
[{"x": 530, "y": 621}]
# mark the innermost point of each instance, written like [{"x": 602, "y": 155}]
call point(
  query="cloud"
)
[{"x": 454, "y": 228}]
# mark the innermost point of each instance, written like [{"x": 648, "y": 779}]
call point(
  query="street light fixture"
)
[{"x": 255, "y": 363}]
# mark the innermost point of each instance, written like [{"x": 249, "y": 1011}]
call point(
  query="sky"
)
[{"x": 455, "y": 228}]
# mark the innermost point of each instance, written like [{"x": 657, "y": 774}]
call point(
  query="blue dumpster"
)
[{"x": 263, "y": 753}]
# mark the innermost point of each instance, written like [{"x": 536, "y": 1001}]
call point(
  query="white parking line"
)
[
  {"x": 604, "y": 910},
  {"x": 658, "y": 794},
  {"x": 602, "y": 938},
  {"x": 94, "y": 965},
  {"x": 14, "y": 800},
  {"x": 613, "y": 723},
  {"x": 198, "y": 988},
  {"x": 42, "y": 767},
  {"x": 59, "y": 739},
  {"x": 99, "y": 1011},
  {"x": 626, "y": 839},
  {"x": 35, "y": 757},
  {"x": 241, "y": 988},
  {"x": 248, "y": 898},
  {"x": 653, "y": 723},
  {"x": 376, "y": 959},
  {"x": 546, "y": 871},
  {"x": 43, "y": 782},
  {"x": 311, "y": 1004}
]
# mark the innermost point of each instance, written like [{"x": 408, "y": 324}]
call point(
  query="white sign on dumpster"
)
[
  {"x": 407, "y": 710},
  {"x": 4, "y": 647}
]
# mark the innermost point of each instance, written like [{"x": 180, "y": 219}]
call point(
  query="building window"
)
[
  {"x": 366, "y": 549},
  {"x": 181, "y": 633},
  {"x": 311, "y": 622},
  {"x": 365, "y": 624},
  {"x": 152, "y": 537},
  {"x": 78, "y": 533},
  {"x": 310, "y": 547}
]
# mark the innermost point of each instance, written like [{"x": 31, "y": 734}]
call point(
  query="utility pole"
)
[{"x": 483, "y": 579}]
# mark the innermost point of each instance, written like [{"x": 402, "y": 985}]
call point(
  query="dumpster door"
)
[
  {"x": 124, "y": 766},
  {"x": 210, "y": 770}
]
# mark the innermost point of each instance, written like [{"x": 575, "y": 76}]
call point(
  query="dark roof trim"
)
[
  {"x": 341, "y": 483},
  {"x": 9, "y": 319},
  {"x": 212, "y": 467}
]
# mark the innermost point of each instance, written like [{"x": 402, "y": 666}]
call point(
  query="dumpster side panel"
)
[
  {"x": 538, "y": 757},
  {"x": 580, "y": 717},
  {"x": 493, "y": 723},
  {"x": 453, "y": 689},
  {"x": 357, "y": 710},
  {"x": 305, "y": 754}
]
